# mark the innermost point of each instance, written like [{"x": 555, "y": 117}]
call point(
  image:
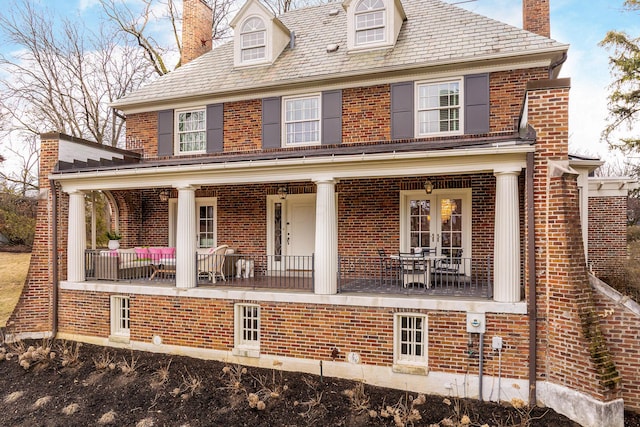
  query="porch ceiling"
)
[{"x": 491, "y": 158}]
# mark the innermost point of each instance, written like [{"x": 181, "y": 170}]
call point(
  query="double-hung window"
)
[
  {"x": 370, "y": 22},
  {"x": 191, "y": 131},
  {"x": 410, "y": 339},
  {"x": 439, "y": 108},
  {"x": 302, "y": 120},
  {"x": 253, "y": 37},
  {"x": 247, "y": 330}
]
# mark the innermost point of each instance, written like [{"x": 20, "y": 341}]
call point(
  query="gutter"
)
[
  {"x": 54, "y": 258},
  {"x": 531, "y": 264}
]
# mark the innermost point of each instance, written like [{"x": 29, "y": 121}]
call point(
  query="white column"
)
[
  {"x": 77, "y": 238},
  {"x": 326, "y": 251},
  {"x": 506, "y": 252},
  {"x": 186, "y": 238}
]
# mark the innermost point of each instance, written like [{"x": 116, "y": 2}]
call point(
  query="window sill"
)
[
  {"x": 121, "y": 339},
  {"x": 411, "y": 369},
  {"x": 246, "y": 352}
]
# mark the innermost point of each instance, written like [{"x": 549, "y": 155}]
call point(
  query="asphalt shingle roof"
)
[{"x": 434, "y": 33}]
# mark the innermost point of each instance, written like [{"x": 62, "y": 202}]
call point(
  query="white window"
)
[
  {"x": 439, "y": 108},
  {"x": 191, "y": 135},
  {"x": 410, "y": 339},
  {"x": 253, "y": 36},
  {"x": 302, "y": 120},
  {"x": 247, "y": 330},
  {"x": 370, "y": 22},
  {"x": 120, "y": 317}
]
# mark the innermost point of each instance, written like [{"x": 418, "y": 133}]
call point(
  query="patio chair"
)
[
  {"x": 212, "y": 264},
  {"x": 450, "y": 264},
  {"x": 388, "y": 269},
  {"x": 414, "y": 269}
]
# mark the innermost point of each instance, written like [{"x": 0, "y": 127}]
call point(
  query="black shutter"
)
[
  {"x": 215, "y": 123},
  {"x": 271, "y": 126},
  {"x": 476, "y": 103},
  {"x": 402, "y": 116},
  {"x": 332, "y": 117},
  {"x": 165, "y": 133}
]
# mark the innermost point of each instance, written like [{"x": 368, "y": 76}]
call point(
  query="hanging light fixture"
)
[
  {"x": 282, "y": 193},
  {"x": 164, "y": 196},
  {"x": 428, "y": 187}
]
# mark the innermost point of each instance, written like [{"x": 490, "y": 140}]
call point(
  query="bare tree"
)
[
  {"x": 65, "y": 75},
  {"x": 278, "y": 7},
  {"x": 136, "y": 24},
  {"x": 22, "y": 180}
]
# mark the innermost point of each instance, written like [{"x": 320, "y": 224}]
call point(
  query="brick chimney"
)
[
  {"x": 535, "y": 17},
  {"x": 197, "y": 33}
]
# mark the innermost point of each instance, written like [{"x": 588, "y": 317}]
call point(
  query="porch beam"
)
[
  {"x": 326, "y": 246},
  {"x": 76, "y": 237},
  {"x": 186, "y": 238},
  {"x": 507, "y": 238}
]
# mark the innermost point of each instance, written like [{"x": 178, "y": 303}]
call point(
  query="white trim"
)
[
  {"x": 265, "y": 45},
  {"x": 316, "y": 95},
  {"x": 118, "y": 310},
  {"x": 207, "y": 201},
  {"x": 176, "y": 133},
  {"x": 417, "y": 109},
  {"x": 240, "y": 346},
  {"x": 414, "y": 364},
  {"x": 437, "y": 303},
  {"x": 173, "y": 218},
  {"x": 395, "y": 164}
]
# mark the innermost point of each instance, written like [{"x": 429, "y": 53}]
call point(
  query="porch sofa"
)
[{"x": 131, "y": 263}]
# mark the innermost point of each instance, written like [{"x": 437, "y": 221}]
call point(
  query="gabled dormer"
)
[
  {"x": 373, "y": 24},
  {"x": 258, "y": 36}
]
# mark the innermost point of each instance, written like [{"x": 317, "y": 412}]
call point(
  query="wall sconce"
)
[
  {"x": 428, "y": 187},
  {"x": 282, "y": 193},
  {"x": 164, "y": 196}
]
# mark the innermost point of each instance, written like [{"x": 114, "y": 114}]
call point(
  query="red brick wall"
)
[
  {"x": 506, "y": 94},
  {"x": 243, "y": 125},
  {"x": 142, "y": 133},
  {"x": 607, "y": 235},
  {"x": 621, "y": 327},
  {"x": 366, "y": 114},
  {"x": 535, "y": 17},
  {"x": 242, "y": 218},
  {"x": 208, "y": 323}
]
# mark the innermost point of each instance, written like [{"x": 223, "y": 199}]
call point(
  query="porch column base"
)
[
  {"x": 506, "y": 284},
  {"x": 186, "y": 238},
  {"x": 77, "y": 238},
  {"x": 326, "y": 251}
]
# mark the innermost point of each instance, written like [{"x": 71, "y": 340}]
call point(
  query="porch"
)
[{"x": 373, "y": 275}]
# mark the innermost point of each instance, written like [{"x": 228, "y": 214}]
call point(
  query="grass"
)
[{"x": 12, "y": 277}]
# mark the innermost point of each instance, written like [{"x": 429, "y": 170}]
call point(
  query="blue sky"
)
[{"x": 580, "y": 23}]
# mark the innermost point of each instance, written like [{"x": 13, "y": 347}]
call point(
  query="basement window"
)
[{"x": 120, "y": 319}]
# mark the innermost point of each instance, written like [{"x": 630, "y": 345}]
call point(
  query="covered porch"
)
[{"x": 316, "y": 225}]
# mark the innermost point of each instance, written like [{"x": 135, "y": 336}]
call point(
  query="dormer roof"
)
[
  {"x": 257, "y": 45},
  {"x": 434, "y": 35}
]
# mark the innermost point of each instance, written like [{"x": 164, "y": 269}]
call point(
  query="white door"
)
[{"x": 301, "y": 224}]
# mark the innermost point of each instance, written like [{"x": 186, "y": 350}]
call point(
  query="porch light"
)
[
  {"x": 282, "y": 192},
  {"x": 164, "y": 196},
  {"x": 428, "y": 187}
]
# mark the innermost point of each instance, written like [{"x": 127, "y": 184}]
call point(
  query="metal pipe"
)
[
  {"x": 531, "y": 262},
  {"x": 481, "y": 362},
  {"x": 54, "y": 258}
]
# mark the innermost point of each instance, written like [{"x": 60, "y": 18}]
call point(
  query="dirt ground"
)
[{"x": 65, "y": 384}]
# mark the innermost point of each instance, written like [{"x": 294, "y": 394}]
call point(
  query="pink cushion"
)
[
  {"x": 114, "y": 252},
  {"x": 168, "y": 252},
  {"x": 155, "y": 254},
  {"x": 142, "y": 253}
]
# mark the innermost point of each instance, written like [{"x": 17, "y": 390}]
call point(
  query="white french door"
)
[{"x": 440, "y": 221}]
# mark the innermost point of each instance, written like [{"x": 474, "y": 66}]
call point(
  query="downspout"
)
[
  {"x": 531, "y": 263},
  {"x": 54, "y": 259},
  {"x": 556, "y": 64}
]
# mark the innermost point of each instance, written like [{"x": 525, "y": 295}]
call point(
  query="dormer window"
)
[
  {"x": 253, "y": 35},
  {"x": 370, "y": 22}
]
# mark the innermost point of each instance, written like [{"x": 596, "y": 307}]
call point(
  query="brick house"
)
[{"x": 315, "y": 150}]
